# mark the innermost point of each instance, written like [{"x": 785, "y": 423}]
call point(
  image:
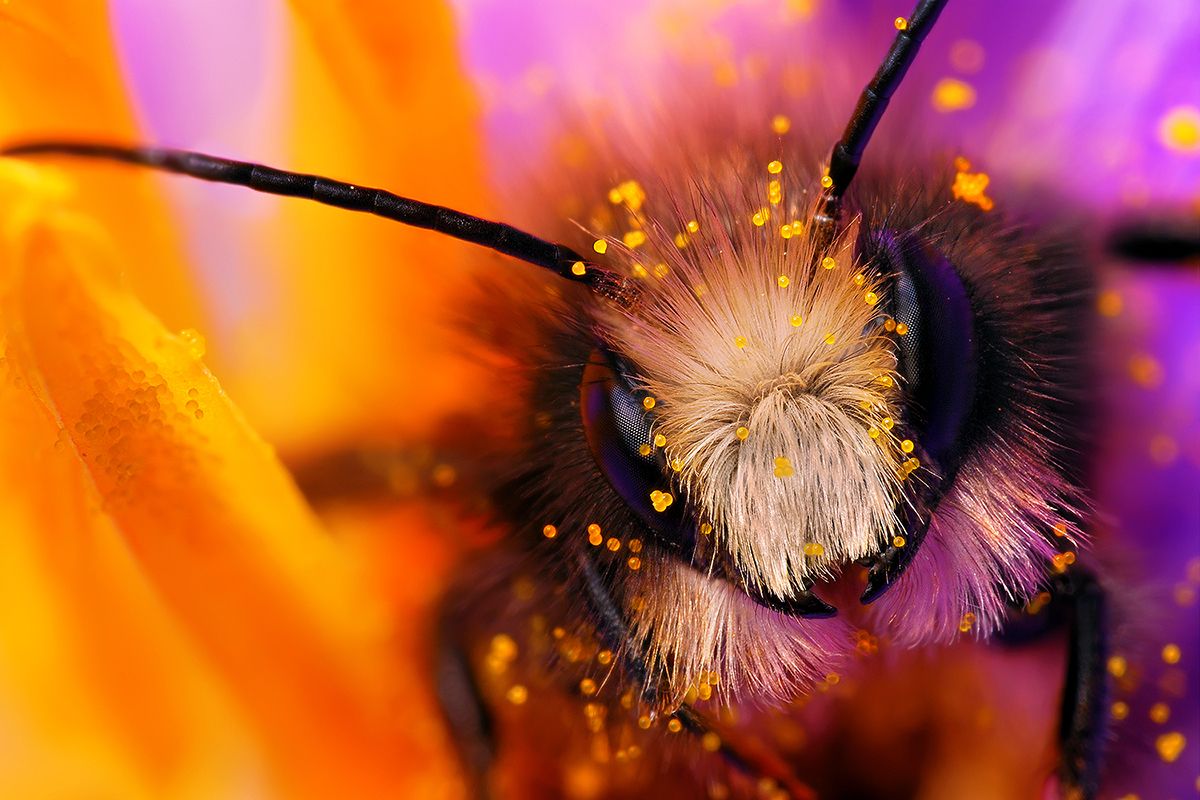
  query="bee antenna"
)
[
  {"x": 502, "y": 238},
  {"x": 847, "y": 153}
]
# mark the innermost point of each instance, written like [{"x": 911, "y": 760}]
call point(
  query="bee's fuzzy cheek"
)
[{"x": 692, "y": 626}]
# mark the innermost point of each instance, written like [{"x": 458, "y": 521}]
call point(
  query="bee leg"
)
[
  {"x": 462, "y": 704},
  {"x": 1081, "y": 723},
  {"x": 1168, "y": 240}
]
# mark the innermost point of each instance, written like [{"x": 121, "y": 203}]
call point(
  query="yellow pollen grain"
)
[
  {"x": 660, "y": 440},
  {"x": 907, "y": 445},
  {"x": 889, "y": 324},
  {"x": 578, "y": 268},
  {"x": 886, "y": 380},
  {"x": 710, "y": 742},
  {"x": 635, "y": 545},
  {"x": 661, "y": 271},
  {"x": 796, "y": 320},
  {"x": 595, "y": 537},
  {"x": 1110, "y": 303},
  {"x": 739, "y": 342},
  {"x": 677, "y": 464},
  {"x": 692, "y": 226},
  {"x": 952, "y": 94},
  {"x": 971, "y": 187},
  {"x": 780, "y": 124},
  {"x": 898, "y": 541},
  {"x": 1119, "y": 710},
  {"x": 826, "y": 182},
  {"x": 887, "y": 423},
  {"x": 760, "y": 217},
  {"x": 674, "y": 726},
  {"x": 644, "y": 722},
  {"x": 830, "y": 338},
  {"x": 1160, "y": 713},
  {"x": 1171, "y": 654},
  {"x": 1117, "y": 666},
  {"x": 613, "y": 544},
  {"x": 661, "y": 500},
  {"x": 639, "y": 271},
  {"x": 549, "y": 531},
  {"x": 901, "y": 23},
  {"x": 783, "y": 468},
  {"x": 860, "y": 279},
  {"x": 814, "y": 549},
  {"x": 593, "y": 528},
  {"x": 587, "y": 686},
  {"x": 600, "y": 246},
  {"x": 517, "y": 695},
  {"x": 1179, "y": 130},
  {"x": 604, "y": 657},
  {"x": 1170, "y": 745},
  {"x": 775, "y": 167},
  {"x": 742, "y": 432},
  {"x": 784, "y": 281},
  {"x": 634, "y": 563},
  {"x": 614, "y": 196},
  {"x": 648, "y": 403},
  {"x": 785, "y": 231},
  {"x": 967, "y": 622},
  {"x": 901, "y": 329},
  {"x": 705, "y": 529},
  {"x": 681, "y": 240},
  {"x": 503, "y": 647},
  {"x": 634, "y": 239},
  {"x": 870, "y": 298},
  {"x": 645, "y": 449},
  {"x": 828, "y": 262},
  {"x": 873, "y": 432}
]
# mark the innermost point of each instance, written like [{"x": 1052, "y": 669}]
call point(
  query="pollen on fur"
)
[
  {"x": 783, "y": 467},
  {"x": 775, "y": 167},
  {"x": 578, "y": 268},
  {"x": 828, "y": 262},
  {"x": 784, "y": 281},
  {"x": 600, "y": 246},
  {"x": 742, "y": 432},
  {"x": 780, "y": 124},
  {"x": 648, "y": 402}
]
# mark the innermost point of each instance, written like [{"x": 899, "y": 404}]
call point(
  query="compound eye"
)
[
  {"x": 620, "y": 434},
  {"x": 937, "y": 352}
]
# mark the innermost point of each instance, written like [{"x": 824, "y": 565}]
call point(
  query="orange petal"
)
[
  {"x": 62, "y": 80},
  {"x": 358, "y": 341},
  {"x": 124, "y": 436}
]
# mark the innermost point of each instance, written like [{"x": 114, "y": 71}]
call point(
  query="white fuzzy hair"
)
[
  {"x": 691, "y": 626},
  {"x": 714, "y": 343}
]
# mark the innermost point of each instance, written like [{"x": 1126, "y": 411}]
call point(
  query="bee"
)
[{"x": 772, "y": 411}]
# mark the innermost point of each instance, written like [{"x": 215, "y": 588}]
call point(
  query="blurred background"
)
[{"x": 121, "y": 676}]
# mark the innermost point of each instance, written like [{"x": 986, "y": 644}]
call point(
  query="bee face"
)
[{"x": 768, "y": 413}]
